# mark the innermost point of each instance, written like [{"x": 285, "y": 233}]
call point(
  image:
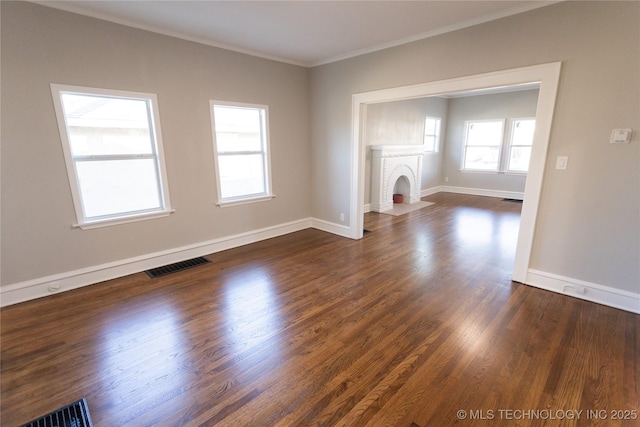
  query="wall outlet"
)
[
  {"x": 562, "y": 162},
  {"x": 341, "y": 216},
  {"x": 54, "y": 287},
  {"x": 578, "y": 289},
  {"x": 446, "y": 179}
]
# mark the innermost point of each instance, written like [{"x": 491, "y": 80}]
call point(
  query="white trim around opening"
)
[{"x": 546, "y": 75}]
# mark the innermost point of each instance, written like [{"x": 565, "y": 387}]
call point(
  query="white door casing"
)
[{"x": 547, "y": 75}]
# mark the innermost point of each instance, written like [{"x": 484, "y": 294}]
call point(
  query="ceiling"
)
[{"x": 302, "y": 32}]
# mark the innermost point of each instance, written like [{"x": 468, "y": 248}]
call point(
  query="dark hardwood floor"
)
[{"x": 417, "y": 324}]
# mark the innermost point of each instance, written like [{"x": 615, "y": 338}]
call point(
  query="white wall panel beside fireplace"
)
[{"x": 395, "y": 167}]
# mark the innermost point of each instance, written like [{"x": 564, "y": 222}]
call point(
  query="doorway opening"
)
[{"x": 546, "y": 76}]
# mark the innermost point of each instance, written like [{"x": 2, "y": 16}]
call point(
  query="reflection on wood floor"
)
[{"x": 418, "y": 324}]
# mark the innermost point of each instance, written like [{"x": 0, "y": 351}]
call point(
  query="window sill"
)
[
  {"x": 479, "y": 171},
  {"x": 494, "y": 172},
  {"x": 122, "y": 220},
  {"x": 229, "y": 203}
]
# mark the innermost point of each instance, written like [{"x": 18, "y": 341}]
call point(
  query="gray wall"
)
[
  {"x": 402, "y": 123},
  {"x": 588, "y": 225},
  {"x": 589, "y": 219},
  {"x": 483, "y": 107},
  {"x": 41, "y": 45}
]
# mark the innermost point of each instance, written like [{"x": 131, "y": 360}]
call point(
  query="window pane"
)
[
  {"x": 431, "y": 131},
  {"x": 484, "y": 133},
  {"x": 99, "y": 125},
  {"x": 519, "y": 159},
  {"x": 238, "y": 128},
  {"x": 523, "y": 132},
  {"x": 482, "y": 158},
  {"x": 113, "y": 187},
  {"x": 241, "y": 175},
  {"x": 429, "y": 143},
  {"x": 430, "y": 126}
]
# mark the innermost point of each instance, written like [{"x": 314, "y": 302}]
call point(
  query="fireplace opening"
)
[{"x": 401, "y": 190}]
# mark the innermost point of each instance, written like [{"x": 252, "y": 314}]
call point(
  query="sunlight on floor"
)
[
  {"x": 252, "y": 308},
  {"x": 142, "y": 355}
]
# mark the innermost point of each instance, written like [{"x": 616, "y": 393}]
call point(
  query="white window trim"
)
[
  {"x": 244, "y": 201},
  {"x": 464, "y": 147},
  {"x": 254, "y": 198},
  {"x": 57, "y": 90},
  {"x": 123, "y": 219}
]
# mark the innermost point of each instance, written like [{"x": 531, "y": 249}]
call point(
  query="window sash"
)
[
  {"x": 482, "y": 151},
  {"x": 431, "y": 134},
  {"x": 519, "y": 158},
  {"x": 126, "y": 192},
  {"x": 515, "y": 161},
  {"x": 482, "y": 158}
]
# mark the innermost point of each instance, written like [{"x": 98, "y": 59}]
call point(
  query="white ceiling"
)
[{"x": 300, "y": 32}]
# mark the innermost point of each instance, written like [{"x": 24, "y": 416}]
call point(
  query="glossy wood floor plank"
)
[{"x": 410, "y": 325}]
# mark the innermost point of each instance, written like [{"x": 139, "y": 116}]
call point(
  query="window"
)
[
  {"x": 113, "y": 151},
  {"x": 241, "y": 147},
  {"x": 521, "y": 143},
  {"x": 482, "y": 145},
  {"x": 431, "y": 134}
]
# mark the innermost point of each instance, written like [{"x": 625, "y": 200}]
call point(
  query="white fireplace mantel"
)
[{"x": 389, "y": 163}]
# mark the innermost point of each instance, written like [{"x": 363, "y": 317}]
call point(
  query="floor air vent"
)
[
  {"x": 178, "y": 266},
  {"x": 73, "y": 415}
]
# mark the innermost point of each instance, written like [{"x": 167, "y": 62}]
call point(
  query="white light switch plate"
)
[{"x": 621, "y": 136}]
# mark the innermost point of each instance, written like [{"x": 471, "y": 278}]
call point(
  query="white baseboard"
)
[
  {"x": 593, "y": 292},
  {"x": 464, "y": 190},
  {"x": 482, "y": 192},
  {"x": 331, "y": 227},
  {"x": 430, "y": 191},
  {"x": 44, "y": 286}
]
